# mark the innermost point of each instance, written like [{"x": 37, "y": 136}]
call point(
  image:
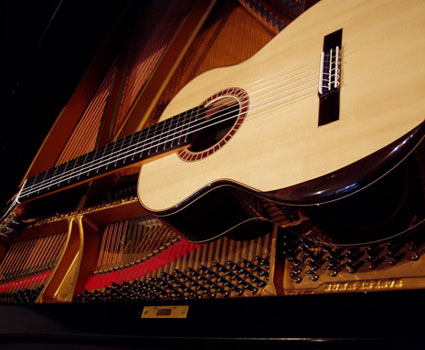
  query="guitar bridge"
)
[{"x": 330, "y": 78}]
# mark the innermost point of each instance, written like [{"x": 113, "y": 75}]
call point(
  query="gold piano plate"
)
[{"x": 171, "y": 311}]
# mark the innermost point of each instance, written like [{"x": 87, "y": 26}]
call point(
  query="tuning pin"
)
[
  {"x": 314, "y": 276},
  {"x": 167, "y": 276},
  {"x": 352, "y": 267},
  {"x": 294, "y": 261},
  {"x": 373, "y": 252},
  {"x": 231, "y": 264},
  {"x": 260, "y": 283},
  {"x": 203, "y": 268},
  {"x": 295, "y": 277},
  {"x": 413, "y": 254},
  {"x": 295, "y": 269},
  {"x": 333, "y": 253},
  {"x": 307, "y": 252},
  {"x": 263, "y": 262},
  {"x": 307, "y": 242},
  {"x": 313, "y": 265},
  {"x": 248, "y": 264},
  {"x": 333, "y": 270},
  {"x": 395, "y": 258},
  {"x": 374, "y": 263},
  {"x": 332, "y": 261}
]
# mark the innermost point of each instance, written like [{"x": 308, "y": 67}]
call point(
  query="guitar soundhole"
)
[{"x": 224, "y": 114}]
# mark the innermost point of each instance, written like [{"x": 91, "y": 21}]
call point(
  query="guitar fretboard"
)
[{"x": 162, "y": 137}]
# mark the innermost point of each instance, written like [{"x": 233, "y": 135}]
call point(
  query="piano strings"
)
[
  {"x": 27, "y": 267},
  {"x": 142, "y": 259}
]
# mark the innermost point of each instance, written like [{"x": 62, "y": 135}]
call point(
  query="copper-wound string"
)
[
  {"x": 30, "y": 264},
  {"x": 10, "y": 255},
  {"x": 17, "y": 272},
  {"x": 40, "y": 265},
  {"x": 20, "y": 272}
]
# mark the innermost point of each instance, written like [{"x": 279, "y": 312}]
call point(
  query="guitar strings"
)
[
  {"x": 75, "y": 172},
  {"x": 136, "y": 149},
  {"x": 265, "y": 79},
  {"x": 118, "y": 157}
]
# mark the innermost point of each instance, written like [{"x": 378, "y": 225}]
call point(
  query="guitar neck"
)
[{"x": 163, "y": 137}]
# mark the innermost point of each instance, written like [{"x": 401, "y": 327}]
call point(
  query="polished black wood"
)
[{"x": 386, "y": 320}]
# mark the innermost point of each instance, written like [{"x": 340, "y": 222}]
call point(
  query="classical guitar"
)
[{"x": 329, "y": 112}]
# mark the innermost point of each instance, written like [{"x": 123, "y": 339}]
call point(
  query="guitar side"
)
[{"x": 279, "y": 144}]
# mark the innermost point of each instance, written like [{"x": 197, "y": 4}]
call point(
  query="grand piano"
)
[{"x": 90, "y": 267}]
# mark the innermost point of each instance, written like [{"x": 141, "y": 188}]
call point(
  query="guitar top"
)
[{"x": 340, "y": 83}]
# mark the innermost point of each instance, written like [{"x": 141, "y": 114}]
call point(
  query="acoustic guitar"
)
[{"x": 322, "y": 124}]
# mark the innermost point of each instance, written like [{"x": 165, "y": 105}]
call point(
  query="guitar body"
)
[{"x": 277, "y": 150}]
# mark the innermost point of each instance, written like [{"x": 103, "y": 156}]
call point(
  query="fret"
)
[
  {"x": 190, "y": 129},
  {"x": 121, "y": 153},
  {"x": 127, "y": 150},
  {"x": 59, "y": 173},
  {"x": 168, "y": 135},
  {"x": 150, "y": 140},
  {"x": 185, "y": 123},
  {"x": 159, "y": 138},
  {"x": 94, "y": 157},
  {"x": 78, "y": 163},
  {"x": 64, "y": 168},
  {"x": 111, "y": 152},
  {"x": 29, "y": 185},
  {"x": 178, "y": 130},
  {"x": 133, "y": 153},
  {"x": 142, "y": 135},
  {"x": 43, "y": 179},
  {"x": 84, "y": 171},
  {"x": 101, "y": 158},
  {"x": 145, "y": 141},
  {"x": 130, "y": 149},
  {"x": 52, "y": 178},
  {"x": 89, "y": 163},
  {"x": 117, "y": 154}
]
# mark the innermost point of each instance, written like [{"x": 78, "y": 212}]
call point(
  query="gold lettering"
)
[{"x": 364, "y": 285}]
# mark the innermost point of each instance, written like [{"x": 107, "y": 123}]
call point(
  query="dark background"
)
[{"x": 45, "y": 48}]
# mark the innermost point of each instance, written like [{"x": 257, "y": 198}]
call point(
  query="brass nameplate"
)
[{"x": 173, "y": 311}]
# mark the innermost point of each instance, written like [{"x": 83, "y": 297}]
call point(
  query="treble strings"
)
[
  {"x": 273, "y": 90},
  {"x": 127, "y": 243}
]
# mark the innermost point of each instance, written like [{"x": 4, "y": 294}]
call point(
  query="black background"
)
[{"x": 46, "y": 46}]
